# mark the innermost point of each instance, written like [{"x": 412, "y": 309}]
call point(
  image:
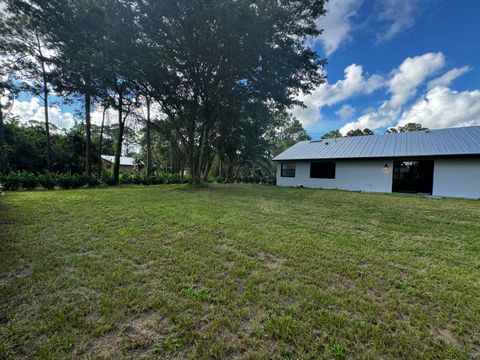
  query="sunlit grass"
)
[{"x": 238, "y": 271}]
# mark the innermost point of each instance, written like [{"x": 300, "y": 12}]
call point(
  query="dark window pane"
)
[
  {"x": 322, "y": 170},
  {"x": 413, "y": 176},
  {"x": 288, "y": 169}
]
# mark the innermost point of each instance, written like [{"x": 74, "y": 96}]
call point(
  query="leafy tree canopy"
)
[
  {"x": 332, "y": 135},
  {"x": 407, "y": 128},
  {"x": 359, "y": 132}
]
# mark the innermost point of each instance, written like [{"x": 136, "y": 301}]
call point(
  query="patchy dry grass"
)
[{"x": 237, "y": 271}]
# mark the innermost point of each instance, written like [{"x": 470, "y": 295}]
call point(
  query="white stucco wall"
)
[
  {"x": 457, "y": 178},
  {"x": 357, "y": 175}
]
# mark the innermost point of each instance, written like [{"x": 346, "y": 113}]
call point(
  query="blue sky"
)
[
  {"x": 389, "y": 62},
  {"x": 392, "y": 61}
]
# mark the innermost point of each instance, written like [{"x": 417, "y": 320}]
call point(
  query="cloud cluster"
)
[
  {"x": 443, "y": 107},
  {"x": 447, "y": 78},
  {"x": 111, "y": 115},
  {"x": 32, "y": 110},
  {"x": 337, "y": 24},
  {"x": 346, "y": 111},
  {"x": 411, "y": 73},
  {"x": 396, "y": 16},
  {"x": 439, "y": 107},
  {"x": 391, "y": 16},
  {"x": 354, "y": 83}
]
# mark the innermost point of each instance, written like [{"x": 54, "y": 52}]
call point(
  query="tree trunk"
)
[
  {"x": 192, "y": 173},
  {"x": 47, "y": 127},
  {"x": 219, "y": 166},
  {"x": 198, "y": 172},
  {"x": 45, "y": 105},
  {"x": 101, "y": 143},
  {"x": 118, "y": 149},
  {"x": 149, "y": 140},
  {"x": 3, "y": 155},
  {"x": 88, "y": 168}
]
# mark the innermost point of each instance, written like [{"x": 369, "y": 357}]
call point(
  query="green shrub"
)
[
  {"x": 93, "y": 181},
  {"x": 67, "y": 181},
  {"x": 87, "y": 180},
  {"x": 126, "y": 179},
  {"x": 176, "y": 179},
  {"x": 152, "y": 180},
  {"x": 107, "y": 179},
  {"x": 47, "y": 180},
  {"x": 10, "y": 182},
  {"x": 28, "y": 180}
]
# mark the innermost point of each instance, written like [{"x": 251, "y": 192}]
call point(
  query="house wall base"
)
[
  {"x": 452, "y": 177},
  {"x": 354, "y": 175},
  {"x": 457, "y": 178}
]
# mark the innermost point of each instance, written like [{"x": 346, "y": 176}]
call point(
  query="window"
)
[
  {"x": 288, "y": 169},
  {"x": 322, "y": 170},
  {"x": 413, "y": 176}
]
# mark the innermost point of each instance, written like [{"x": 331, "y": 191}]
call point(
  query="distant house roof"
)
[
  {"x": 124, "y": 160},
  {"x": 442, "y": 142}
]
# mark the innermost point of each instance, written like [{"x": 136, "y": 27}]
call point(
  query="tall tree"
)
[
  {"x": 7, "y": 94},
  {"x": 284, "y": 131},
  {"x": 31, "y": 54},
  {"x": 73, "y": 28},
  {"x": 8, "y": 89},
  {"x": 100, "y": 143},
  {"x": 120, "y": 65},
  {"x": 220, "y": 62}
]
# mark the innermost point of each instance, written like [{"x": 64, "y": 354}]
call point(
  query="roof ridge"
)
[{"x": 437, "y": 142}]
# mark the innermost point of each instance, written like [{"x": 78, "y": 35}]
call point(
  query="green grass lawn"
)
[{"x": 238, "y": 271}]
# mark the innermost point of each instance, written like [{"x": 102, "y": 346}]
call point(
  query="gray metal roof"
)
[
  {"x": 442, "y": 142},
  {"x": 124, "y": 160}
]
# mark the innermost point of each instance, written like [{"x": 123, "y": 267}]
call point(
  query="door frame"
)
[{"x": 417, "y": 185}]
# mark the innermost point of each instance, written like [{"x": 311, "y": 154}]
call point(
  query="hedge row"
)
[{"x": 29, "y": 181}]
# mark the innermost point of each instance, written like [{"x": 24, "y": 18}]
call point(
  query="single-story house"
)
[
  {"x": 127, "y": 164},
  {"x": 444, "y": 162}
]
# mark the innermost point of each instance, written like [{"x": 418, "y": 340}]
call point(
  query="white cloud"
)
[
  {"x": 33, "y": 109},
  {"x": 111, "y": 115},
  {"x": 443, "y": 107},
  {"x": 337, "y": 24},
  {"x": 346, "y": 111},
  {"x": 411, "y": 73},
  {"x": 354, "y": 83},
  {"x": 447, "y": 78},
  {"x": 382, "y": 117},
  {"x": 29, "y": 110},
  {"x": 397, "y": 15},
  {"x": 403, "y": 85}
]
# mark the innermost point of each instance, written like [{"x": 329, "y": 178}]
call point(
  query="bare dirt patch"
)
[
  {"x": 446, "y": 335},
  {"x": 271, "y": 261},
  {"x": 20, "y": 272},
  {"x": 132, "y": 337}
]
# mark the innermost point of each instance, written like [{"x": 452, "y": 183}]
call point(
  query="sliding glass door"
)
[{"x": 413, "y": 176}]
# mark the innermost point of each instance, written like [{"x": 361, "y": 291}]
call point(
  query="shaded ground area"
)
[{"x": 237, "y": 271}]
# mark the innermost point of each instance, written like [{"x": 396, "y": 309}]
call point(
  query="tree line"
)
[
  {"x": 359, "y": 132},
  {"x": 223, "y": 73}
]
